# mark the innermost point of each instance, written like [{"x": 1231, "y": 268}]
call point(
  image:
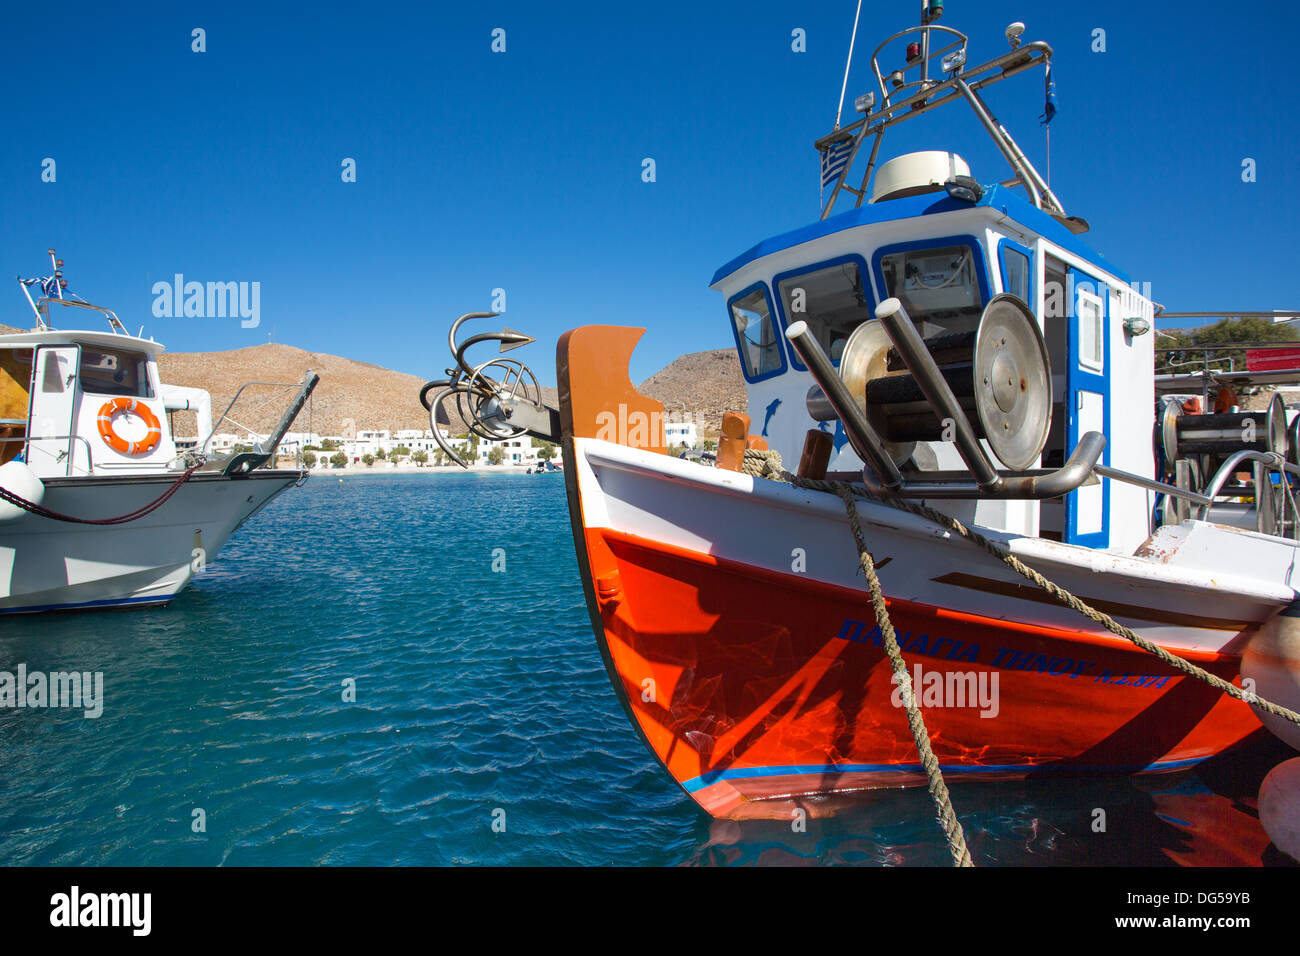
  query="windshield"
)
[
  {"x": 833, "y": 300},
  {"x": 939, "y": 287}
]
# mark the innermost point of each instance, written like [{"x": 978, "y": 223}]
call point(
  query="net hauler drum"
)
[
  {"x": 1223, "y": 434},
  {"x": 999, "y": 372}
]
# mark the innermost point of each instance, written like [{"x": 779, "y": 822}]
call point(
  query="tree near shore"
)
[
  {"x": 495, "y": 455},
  {"x": 368, "y": 459},
  {"x": 338, "y": 459},
  {"x": 420, "y": 457},
  {"x": 1248, "y": 328}
]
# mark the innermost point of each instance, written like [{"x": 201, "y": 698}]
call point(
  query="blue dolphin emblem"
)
[{"x": 771, "y": 410}]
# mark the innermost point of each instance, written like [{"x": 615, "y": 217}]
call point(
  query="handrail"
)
[
  {"x": 1270, "y": 458},
  {"x": 90, "y": 459},
  {"x": 114, "y": 323},
  {"x": 203, "y": 445},
  {"x": 1149, "y": 484}
]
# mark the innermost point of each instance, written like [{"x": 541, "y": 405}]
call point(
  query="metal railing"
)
[
  {"x": 202, "y": 447},
  {"x": 930, "y": 93},
  {"x": 1272, "y": 462},
  {"x": 1266, "y": 463},
  {"x": 63, "y": 455}
]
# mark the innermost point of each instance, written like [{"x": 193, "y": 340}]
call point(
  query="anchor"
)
[{"x": 497, "y": 399}]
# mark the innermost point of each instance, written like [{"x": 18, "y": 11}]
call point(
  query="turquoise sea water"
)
[{"x": 480, "y": 696}]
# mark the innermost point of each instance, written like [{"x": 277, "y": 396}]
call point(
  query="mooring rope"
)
[
  {"x": 767, "y": 464},
  {"x": 33, "y": 508}
]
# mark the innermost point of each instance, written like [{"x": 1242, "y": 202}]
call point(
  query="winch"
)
[{"x": 992, "y": 383}]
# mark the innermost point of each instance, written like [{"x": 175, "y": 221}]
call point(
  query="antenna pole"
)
[
  {"x": 57, "y": 273},
  {"x": 840, "y": 110},
  {"x": 1048, "y": 129}
]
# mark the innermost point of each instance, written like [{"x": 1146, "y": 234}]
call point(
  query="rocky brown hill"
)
[
  {"x": 368, "y": 396},
  {"x": 705, "y": 384}
]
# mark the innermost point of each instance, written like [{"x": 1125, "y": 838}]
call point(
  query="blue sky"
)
[{"x": 522, "y": 170}]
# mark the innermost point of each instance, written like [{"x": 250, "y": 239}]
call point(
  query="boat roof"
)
[
  {"x": 112, "y": 340},
  {"x": 998, "y": 199}
]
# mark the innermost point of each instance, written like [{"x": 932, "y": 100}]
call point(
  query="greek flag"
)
[{"x": 834, "y": 158}]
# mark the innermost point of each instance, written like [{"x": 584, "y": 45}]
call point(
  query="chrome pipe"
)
[
  {"x": 1055, "y": 484},
  {"x": 1233, "y": 464},
  {"x": 1115, "y": 474},
  {"x": 1012, "y": 155},
  {"x": 861, "y": 435}
]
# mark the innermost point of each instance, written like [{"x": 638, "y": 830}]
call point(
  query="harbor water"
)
[{"x": 400, "y": 670}]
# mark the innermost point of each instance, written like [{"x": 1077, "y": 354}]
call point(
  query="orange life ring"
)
[{"x": 115, "y": 441}]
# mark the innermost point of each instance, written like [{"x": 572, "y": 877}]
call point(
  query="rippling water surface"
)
[{"x": 477, "y": 692}]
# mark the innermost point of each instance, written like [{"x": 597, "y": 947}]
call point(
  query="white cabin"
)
[{"x": 945, "y": 258}]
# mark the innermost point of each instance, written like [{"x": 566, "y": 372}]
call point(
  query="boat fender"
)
[
  {"x": 1279, "y": 807},
  {"x": 1270, "y": 668},
  {"x": 18, "y": 479}
]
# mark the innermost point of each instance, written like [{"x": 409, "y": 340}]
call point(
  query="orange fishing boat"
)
[{"x": 944, "y": 342}]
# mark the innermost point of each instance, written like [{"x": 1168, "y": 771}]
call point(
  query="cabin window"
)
[
  {"x": 942, "y": 287},
  {"x": 1091, "y": 341},
  {"x": 833, "y": 298},
  {"x": 115, "y": 372},
  {"x": 1015, "y": 274},
  {"x": 751, "y": 320}
]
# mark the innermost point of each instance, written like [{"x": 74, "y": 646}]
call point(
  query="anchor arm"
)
[{"x": 493, "y": 408}]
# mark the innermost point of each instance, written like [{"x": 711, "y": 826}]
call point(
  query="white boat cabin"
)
[
  {"x": 945, "y": 258},
  {"x": 80, "y": 403}
]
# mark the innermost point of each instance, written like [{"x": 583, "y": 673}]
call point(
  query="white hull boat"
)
[{"x": 100, "y": 504}]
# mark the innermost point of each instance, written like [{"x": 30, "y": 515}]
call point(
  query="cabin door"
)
[
  {"x": 1087, "y": 404},
  {"x": 53, "y": 407}
]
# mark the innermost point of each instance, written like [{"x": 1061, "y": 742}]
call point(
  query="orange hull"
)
[
  {"x": 754, "y": 688},
  {"x": 757, "y": 687}
]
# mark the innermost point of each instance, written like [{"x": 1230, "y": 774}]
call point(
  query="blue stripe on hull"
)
[
  {"x": 87, "y": 605},
  {"x": 708, "y": 779}
]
